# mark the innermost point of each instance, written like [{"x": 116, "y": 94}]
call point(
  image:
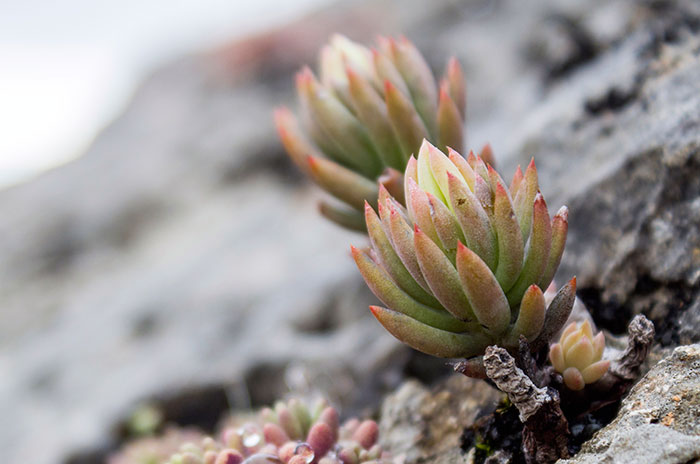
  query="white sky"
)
[{"x": 68, "y": 66}]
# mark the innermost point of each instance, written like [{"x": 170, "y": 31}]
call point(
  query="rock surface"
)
[
  {"x": 659, "y": 422},
  {"x": 182, "y": 259}
]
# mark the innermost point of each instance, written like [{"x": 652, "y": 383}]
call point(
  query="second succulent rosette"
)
[{"x": 463, "y": 265}]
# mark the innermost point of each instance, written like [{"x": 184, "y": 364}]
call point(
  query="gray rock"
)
[{"x": 659, "y": 422}]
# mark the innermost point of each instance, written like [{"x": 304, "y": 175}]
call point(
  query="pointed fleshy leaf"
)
[
  {"x": 391, "y": 262},
  {"x": 486, "y": 154},
  {"x": 440, "y": 165},
  {"x": 560, "y": 227},
  {"x": 288, "y": 422},
  {"x": 449, "y": 122},
  {"x": 515, "y": 183},
  {"x": 301, "y": 413},
  {"x": 485, "y": 296},
  {"x": 411, "y": 173},
  {"x": 430, "y": 340},
  {"x": 295, "y": 142},
  {"x": 598, "y": 346},
  {"x": 587, "y": 329},
  {"x": 392, "y": 181},
  {"x": 391, "y": 295},
  {"x": 345, "y": 217},
  {"x": 371, "y": 111},
  {"x": 479, "y": 167},
  {"x": 510, "y": 243},
  {"x": 457, "y": 86},
  {"x": 474, "y": 221},
  {"x": 537, "y": 252},
  {"x": 525, "y": 199},
  {"x": 557, "y": 313},
  {"x": 483, "y": 193},
  {"x": 463, "y": 167},
  {"x": 556, "y": 357},
  {"x": 386, "y": 71},
  {"x": 595, "y": 371},
  {"x": 573, "y": 379},
  {"x": 407, "y": 124},
  {"x": 341, "y": 125},
  {"x": 446, "y": 227},
  {"x": 402, "y": 238},
  {"x": 419, "y": 210},
  {"x": 441, "y": 276},
  {"x": 570, "y": 340},
  {"x": 580, "y": 355},
  {"x": 419, "y": 80},
  {"x": 530, "y": 316},
  {"x": 571, "y": 328},
  {"x": 426, "y": 178},
  {"x": 341, "y": 182}
]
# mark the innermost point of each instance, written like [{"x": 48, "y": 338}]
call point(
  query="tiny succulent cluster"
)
[
  {"x": 578, "y": 355},
  {"x": 290, "y": 433},
  {"x": 463, "y": 266},
  {"x": 365, "y": 115}
]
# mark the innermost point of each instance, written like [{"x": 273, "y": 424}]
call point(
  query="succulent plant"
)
[
  {"x": 364, "y": 118},
  {"x": 578, "y": 355},
  {"x": 154, "y": 449},
  {"x": 291, "y": 433},
  {"x": 463, "y": 266}
]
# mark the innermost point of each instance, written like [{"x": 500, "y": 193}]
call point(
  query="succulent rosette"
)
[
  {"x": 365, "y": 115},
  {"x": 463, "y": 266},
  {"x": 578, "y": 355},
  {"x": 290, "y": 433}
]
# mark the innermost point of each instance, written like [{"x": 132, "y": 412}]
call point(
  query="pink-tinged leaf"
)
[
  {"x": 366, "y": 434},
  {"x": 571, "y": 328},
  {"x": 537, "y": 252},
  {"x": 391, "y": 295},
  {"x": 430, "y": 340},
  {"x": 402, "y": 238},
  {"x": 391, "y": 262},
  {"x": 341, "y": 126},
  {"x": 560, "y": 228},
  {"x": 573, "y": 379},
  {"x": 411, "y": 173},
  {"x": 341, "y": 182},
  {"x": 483, "y": 291},
  {"x": 530, "y": 316},
  {"x": 392, "y": 181},
  {"x": 371, "y": 110},
  {"x": 510, "y": 243},
  {"x": 419, "y": 80},
  {"x": 463, "y": 167},
  {"x": 442, "y": 277},
  {"x": 386, "y": 70},
  {"x": 295, "y": 142},
  {"x": 446, "y": 226},
  {"x": 486, "y": 154},
  {"x": 525, "y": 199},
  {"x": 330, "y": 416},
  {"x": 320, "y": 439},
  {"x": 449, "y": 122},
  {"x": 419, "y": 210},
  {"x": 557, "y": 313},
  {"x": 595, "y": 371},
  {"x": 474, "y": 221},
  {"x": 289, "y": 423},
  {"x": 275, "y": 434},
  {"x": 556, "y": 357},
  {"x": 483, "y": 193},
  {"x": 407, "y": 124},
  {"x": 229, "y": 456},
  {"x": 348, "y": 218},
  {"x": 457, "y": 86},
  {"x": 570, "y": 340},
  {"x": 515, "y": 183}
]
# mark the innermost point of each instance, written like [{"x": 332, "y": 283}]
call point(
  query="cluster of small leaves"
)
[
  {"x": 463, "y": 266},
  {"x": 365, "y": 116},
  {"x": 578, "y": 355},
  {"x": 291, "y": 433},
  {"x": 155, "y": 449}
]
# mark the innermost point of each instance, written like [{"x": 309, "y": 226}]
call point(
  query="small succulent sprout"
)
[
  {"x": 578, "y": 355},
  {"x": 291, "y": 432},
  {"x": 463, "y": 265},
  {"x": 365, "y": 115}
]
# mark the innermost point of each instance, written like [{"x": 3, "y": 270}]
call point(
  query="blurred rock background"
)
[{"x": 180, "y": 261}]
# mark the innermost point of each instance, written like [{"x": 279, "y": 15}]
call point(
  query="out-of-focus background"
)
[{"x": 157, "y": 247}]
